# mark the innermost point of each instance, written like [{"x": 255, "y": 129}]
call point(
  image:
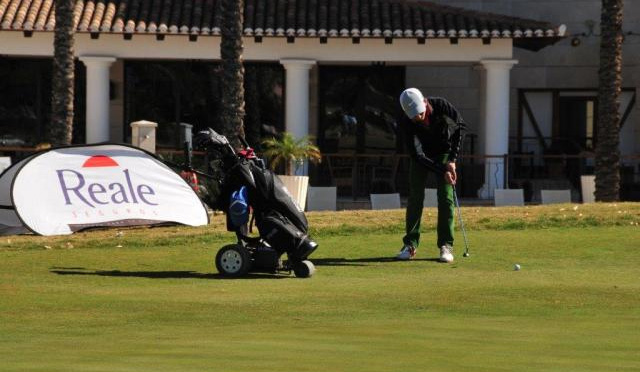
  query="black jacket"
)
[{"x": 443, "y": 135}]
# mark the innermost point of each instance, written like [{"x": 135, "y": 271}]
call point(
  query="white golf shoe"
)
[
  {"x": 446, "y": 254},
  {"x": 406, "y": 253}
]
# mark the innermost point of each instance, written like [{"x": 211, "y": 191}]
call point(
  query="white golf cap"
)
[{"x": 412, "y": 102}]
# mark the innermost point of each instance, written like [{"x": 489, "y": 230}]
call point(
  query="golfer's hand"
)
[
  {"x": 449, "y": 178},
  {"x": 451, "y": 168}
]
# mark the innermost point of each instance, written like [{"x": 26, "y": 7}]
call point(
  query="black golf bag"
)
[{"x": 249, "y": 187}]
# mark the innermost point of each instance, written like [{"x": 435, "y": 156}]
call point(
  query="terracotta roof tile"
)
[
  {"x": 85, "y": 18},
  {"x": 3, "y": 7},
  {"x": 11, "y": 7},
  {"x": 98, "y": 14},
  {"x": 128, "y": 22},
  {"x": 108, "y": 18},
  {"x": 77, "y": 12},
  {"x": 21, "y": 14},
  {"x": 120, "y": 15},
  {"x": 51, "y": 19},
  {"x": 291, "y": 18},
  {"x": 32, "y": 14},
  {"x": 42, "y": 14}
]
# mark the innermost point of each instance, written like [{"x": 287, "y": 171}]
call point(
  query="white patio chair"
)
[
  {"x": 385, "y": 201},
  {"x": 321, "y": 198},
  {"x": 503, "y": 197}
]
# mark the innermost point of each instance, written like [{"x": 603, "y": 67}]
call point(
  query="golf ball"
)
[{"x": 516, "y": 267}]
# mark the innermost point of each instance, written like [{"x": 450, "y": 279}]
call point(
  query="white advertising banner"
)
[
  {"x": 74, "y": 188},
  {"x": 9, "y": 221}
]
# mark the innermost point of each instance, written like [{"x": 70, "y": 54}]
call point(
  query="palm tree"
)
[
  {"x": 231, "y": 48},
  {"x": 607, "y": 165},
  {"x": 62, "y": 84},
  {"x": 252, "y": 119},
  {"x": 289, "y": 151}
]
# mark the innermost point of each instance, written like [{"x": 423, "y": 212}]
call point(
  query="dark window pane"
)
[
  {"x": 359, "y": 109},
  {"x": 25, "y": 104},
  {"x": 25, "y": 101},
  {"x": 264, "y": 101},
  {"x": 171, "y": 93}
]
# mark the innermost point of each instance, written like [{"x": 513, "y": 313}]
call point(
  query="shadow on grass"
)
[
  {"x": 159, "y": 274},
  {"x": 361, "y": 261}
]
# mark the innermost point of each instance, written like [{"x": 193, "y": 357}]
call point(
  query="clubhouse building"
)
[{"x": 333, "y": 69}]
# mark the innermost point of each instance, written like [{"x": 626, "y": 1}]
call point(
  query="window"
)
[
  {"x": 25, "y": 101},
  {"x": 359, "y": 109},
  {"x": 170, "y": 93}
]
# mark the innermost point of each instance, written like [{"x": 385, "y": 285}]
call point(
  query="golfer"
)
[{"x": 433, "y": 132}]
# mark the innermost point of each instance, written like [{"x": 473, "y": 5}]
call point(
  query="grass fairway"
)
[{"x": 150, "y": 300}]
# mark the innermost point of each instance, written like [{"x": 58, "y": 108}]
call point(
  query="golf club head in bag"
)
[
  {"x": 209, "y": 137},
  {"x": 217, "y": 147}
]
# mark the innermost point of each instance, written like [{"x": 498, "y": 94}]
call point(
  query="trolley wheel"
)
[
  {"x": 233, "y": 260},
  {"x": 304, "y": 269}
]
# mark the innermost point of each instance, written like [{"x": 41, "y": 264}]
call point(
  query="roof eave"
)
[{"x": 536, "y": 44}]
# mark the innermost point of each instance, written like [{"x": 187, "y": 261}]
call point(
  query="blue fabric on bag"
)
[{"x": 239, "y": 207}]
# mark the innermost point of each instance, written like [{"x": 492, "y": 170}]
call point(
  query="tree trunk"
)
[
  {"x": 253, "y": 117},
  {"x": 63, "y": 75},
  {"x": 231, "y": 49},
  {"x": 607, "y": 166}
]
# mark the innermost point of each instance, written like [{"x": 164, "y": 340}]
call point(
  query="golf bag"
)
[{"x": 249, "y": 187}]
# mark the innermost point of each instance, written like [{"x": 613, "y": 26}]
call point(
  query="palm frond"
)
[{"x": 290, "y": 150}]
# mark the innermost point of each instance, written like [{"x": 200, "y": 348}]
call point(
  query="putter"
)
[{"x": 464, "y": 233}]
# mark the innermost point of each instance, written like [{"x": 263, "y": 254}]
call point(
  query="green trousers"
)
[{"x": 446, "y": 206}]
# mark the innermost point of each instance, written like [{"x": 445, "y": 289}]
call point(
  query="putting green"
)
[{"x": 155, "y": 304}]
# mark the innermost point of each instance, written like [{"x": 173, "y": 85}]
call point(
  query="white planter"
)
[{"x": 297, "y": 187}]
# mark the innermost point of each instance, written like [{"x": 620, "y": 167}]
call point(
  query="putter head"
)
[{"x": 466, "y": 254}]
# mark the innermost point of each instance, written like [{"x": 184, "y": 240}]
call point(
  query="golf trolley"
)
[{"x": 249, "y": 189}]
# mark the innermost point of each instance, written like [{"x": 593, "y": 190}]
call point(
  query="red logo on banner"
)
[{"x": 99, "y": 161}]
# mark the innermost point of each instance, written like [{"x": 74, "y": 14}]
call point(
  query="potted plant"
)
[{"x": 292, "y": 153}]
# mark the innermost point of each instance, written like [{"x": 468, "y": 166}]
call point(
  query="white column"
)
[
  {"x": 496, "y": 120},
  {"x": 297, "y": 98},
  {"x": 97, "y": 121}
]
